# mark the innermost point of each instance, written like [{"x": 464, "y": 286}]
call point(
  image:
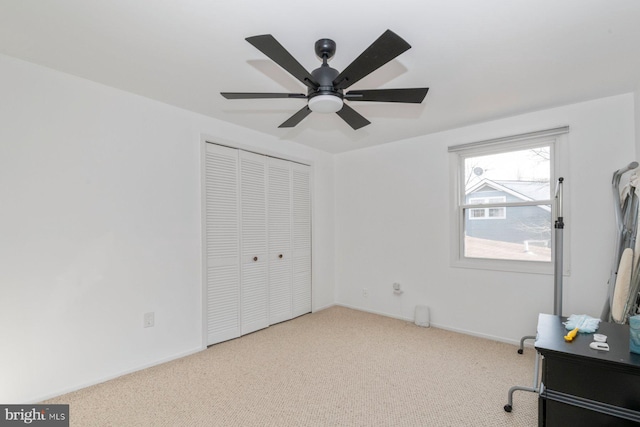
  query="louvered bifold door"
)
[
  {"x": 254, "y": 263},
  {"x": 222, "y": 225},
  {"x": 280, "y": 254},
  {"x": 301, "y": 238}
]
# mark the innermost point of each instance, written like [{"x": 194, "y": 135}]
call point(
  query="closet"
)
[{"x": 257, "y": 241}]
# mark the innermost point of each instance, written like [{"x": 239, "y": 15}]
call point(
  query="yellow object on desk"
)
[{"x": 571, "y": 335}]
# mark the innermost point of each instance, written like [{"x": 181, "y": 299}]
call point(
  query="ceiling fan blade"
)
[
  {"x": 296, "y": 118},
  {"x": 413, "y": 96},
  {"x": 250, "y": 95},
  {"x": 268, "y": 45},
  {"x": 352, "y": 117},
  {"x": 384, "y": 49}
]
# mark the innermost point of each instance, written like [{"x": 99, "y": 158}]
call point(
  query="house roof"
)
[
  {"x": 535, "y": 190},
  {"x": 525, "y": 190}
]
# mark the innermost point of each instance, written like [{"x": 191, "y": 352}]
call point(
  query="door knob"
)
[
  {"x": 280, "y": 256},
  {"x": 255, "y": 258}
]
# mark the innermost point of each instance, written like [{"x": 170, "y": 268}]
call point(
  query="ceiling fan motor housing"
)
[
  {"x": 325, "y": 98},
  {"x": 325, "y": 76}
]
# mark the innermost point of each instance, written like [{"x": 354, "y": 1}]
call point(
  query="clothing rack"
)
[{"x": 557, "y": 295}]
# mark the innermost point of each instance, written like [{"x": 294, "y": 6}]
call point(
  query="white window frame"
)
[
  {"x": 484, "y": 201},
  {"x": 457, "y": 155}
]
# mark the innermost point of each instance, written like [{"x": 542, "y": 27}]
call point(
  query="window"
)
[
  {"x": 486, "y": 213},
  {"x": 503, "y": 199}
]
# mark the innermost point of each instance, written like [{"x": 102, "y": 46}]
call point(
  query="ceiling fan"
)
[{"x": 325, "y": 85}]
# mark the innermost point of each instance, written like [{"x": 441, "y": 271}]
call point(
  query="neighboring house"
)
[{"x": 525, "y": 224}]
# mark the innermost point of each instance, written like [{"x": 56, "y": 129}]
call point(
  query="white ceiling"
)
[{"x": 482, "y": 60}]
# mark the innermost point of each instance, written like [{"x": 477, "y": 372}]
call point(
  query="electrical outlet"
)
[
  {"x": 397, "y": 289},
  {"x": 148, "y": 320},
  {"x": 365, "y": 292}
]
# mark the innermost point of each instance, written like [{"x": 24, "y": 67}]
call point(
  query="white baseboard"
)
[
  {"x": 381, "y": 313},
  {"x": 324, "y": 307},
  {"x": 439, "y": 326},
  {"x": 114, "y": 376},
  {"x": 476, "y": 334}
]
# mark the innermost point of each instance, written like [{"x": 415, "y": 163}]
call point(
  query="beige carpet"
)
[{"x": 336, "y": 367}]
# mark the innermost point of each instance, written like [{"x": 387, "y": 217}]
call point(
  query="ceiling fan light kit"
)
[
  {"x": 325, "y": 104},
  {"x": 325, "y": 85}
]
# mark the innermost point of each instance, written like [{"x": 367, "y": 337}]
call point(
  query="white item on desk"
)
[
  {"x": 600, "y": 338},
  {"x": 599, "y": 346},
  {"x": 583, "y": 322}
]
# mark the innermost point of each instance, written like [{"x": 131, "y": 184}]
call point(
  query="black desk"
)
[{"x": 585, "y": 387}]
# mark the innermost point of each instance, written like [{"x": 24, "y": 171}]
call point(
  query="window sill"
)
[{"x": 528, "y": 267}]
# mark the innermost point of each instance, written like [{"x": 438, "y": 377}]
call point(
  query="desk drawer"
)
[
  {"x": 558, "y": 414},
  {"x": 584, "y": 378}
]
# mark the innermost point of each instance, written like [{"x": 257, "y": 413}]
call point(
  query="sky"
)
[{"x": 522, "y": 165}]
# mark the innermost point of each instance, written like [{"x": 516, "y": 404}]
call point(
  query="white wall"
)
[
  {"x": 100, "y": 222},
  {"x": 393, "y": 225}
]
